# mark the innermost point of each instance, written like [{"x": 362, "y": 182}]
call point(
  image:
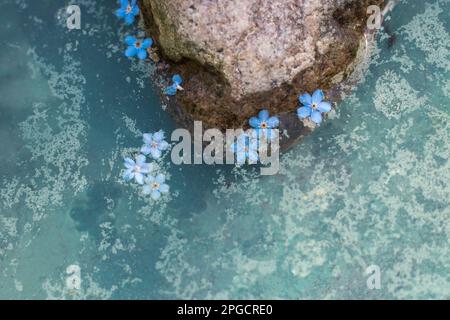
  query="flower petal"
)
[
  {"x": 129, "y": 163},
  {"x": 129, "y": 40},
  {"x": 128, "y": 175},
  {"x": 253, "y": 156},
  {"x": 273, "y": 122},
  {"x": 316, "y": 117},
  {"x": 147, "y": 138},
  {"x": 164, "y": 188},
  {"x": 146, "y": 189},
  {"x": 171, "y": 91},
  {"x": 147, "y": 43},
  {"x": 140, "y": 159},
  {"x": 254, "y": 122},
  {"x": 120, "y": 13},
  {"x": 129, "y": 19},
  {"x": 160, "y": 178},
  {"x": 139, "y": 177},
  {"x": 317, "y": 96},
  {"x": 304, "y": 112},
  {"x": 163, "y": 145},
  {"x": 263, "y": 115},
  {"x": 142, "y": 54},
  {"x": 156, "y": 153},
  {"x": 324, "y": 107},
  {"x": 240, "y": 148},
  {"x": 158, "y": 136},
  {"x": 156, "y": 195},
  {"x": 131, "y": 51},
  {"x": 177, "y": 79},
  {"x": 305, "y": 99},
  {"x": 149, "y": 179},
  {"x": 146, "y": 168},
  {"x": 135, "y": 11},
  {"x": 146, "y": 149}
]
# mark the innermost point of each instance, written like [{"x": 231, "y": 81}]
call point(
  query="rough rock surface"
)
[{"x": 242, "y": 56}]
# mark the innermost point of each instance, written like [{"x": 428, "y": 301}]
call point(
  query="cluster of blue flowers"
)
[
  {"x": 141, "y": 171},
  {"x": 138, "y": 47},
  {"x": 249, "y": 143}
]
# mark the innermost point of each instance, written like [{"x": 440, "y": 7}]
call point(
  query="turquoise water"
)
[{"x": 369, "y": 187}]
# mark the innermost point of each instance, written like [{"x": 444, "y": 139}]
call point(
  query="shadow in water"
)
[{"x": 96, "y": 208}]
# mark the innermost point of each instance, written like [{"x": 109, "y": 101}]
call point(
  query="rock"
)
[{"x": 239, "y": 57}]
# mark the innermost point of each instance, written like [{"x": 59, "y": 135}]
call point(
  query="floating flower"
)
[
  {"x": 313, "y": 107},
  {"x": 177, "y": 81},
  {"x": 127, "y": 11},
  {"x": 154, "y": 186},
  {"x": 154, "y": 144},
  {"x": 246, "y": 147},
  {"x": 136, "y": 169},
  {"x": 137, "y": 47}
]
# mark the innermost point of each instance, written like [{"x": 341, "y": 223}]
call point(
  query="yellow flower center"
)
[
  {"x": 314, "y": 106},
  {"x": 137, "y": 169},
  {"x": 155, "y": 185},
  {"x": 138, "y": 44},
  {"x": 128, "y": 9},
  {"x": 263, "y": 125}
]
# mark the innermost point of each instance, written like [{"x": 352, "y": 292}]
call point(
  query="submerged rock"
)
[{"x": 239, "y": 57}]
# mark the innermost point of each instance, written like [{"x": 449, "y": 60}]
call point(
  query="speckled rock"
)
[{"x": 241, "y": 56}]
